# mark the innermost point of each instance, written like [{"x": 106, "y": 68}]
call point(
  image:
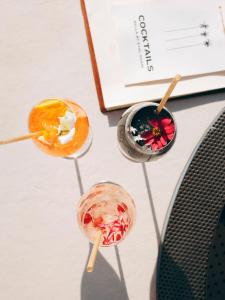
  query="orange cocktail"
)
[{"x": 63, "y": 126}]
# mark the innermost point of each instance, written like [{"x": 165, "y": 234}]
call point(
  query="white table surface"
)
[{"x": 44, "y": 54}]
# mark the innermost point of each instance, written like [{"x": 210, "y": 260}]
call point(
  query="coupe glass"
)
[
  {"x": 144, "y": 134},
  {"x": 64, "y": 128},
  {"x": 108, "y": 208}
]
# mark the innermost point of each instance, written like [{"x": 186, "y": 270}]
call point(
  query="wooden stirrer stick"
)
[
  {"x": 222, "y": 19},
  {"x": 168, "y": 93},
  {"x": 92, "y": 258},
  {"x": 21, "y": 138}
]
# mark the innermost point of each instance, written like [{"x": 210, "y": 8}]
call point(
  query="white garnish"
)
[
  {"x": 67, "y": 124},
  {"x": 63, "y": 139},
  {"x": 137, "y": 138},
  {"x": 66, "y": 129},
  {"x": 133, "y": 130}
]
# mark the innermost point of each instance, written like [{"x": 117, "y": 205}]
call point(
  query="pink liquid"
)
[{"x": 109, "y": 208}]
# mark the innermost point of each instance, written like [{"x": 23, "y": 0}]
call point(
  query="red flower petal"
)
[
  {"x": 124, "y": 205},
  {"x": 149, "y": 142},
  {"x": 159, "y": 144},
  {"x": 154, "y": 146},
  {"x": 110, "y": 236},
  {"x": 105, "y": 241},
  {"x": 165, "y": 121},
  {"x": 170, "y": 136},
  {"x": 121, "y": 229},
  {"x": 118, "y": 237},
  {"x": 165, "y": 137},
  {"x": 147, "y": 135},
  {"x": 163, "y": 141},
  {"x": 169, "y": 129},
  {"x": 87, "y": 218},
  {"x": 154, "y": 123},
  {"x": 98, "y": 221},
  {"x": 120, "y": 209},
  {"x": 116, "y": 223}
]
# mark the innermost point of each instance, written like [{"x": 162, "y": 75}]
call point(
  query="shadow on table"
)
[
  {"x": 157, "y": 231},
  {"x": 176, "y": 104},
  {"x": 114, "y": 117},
  {"x": 175, "y": 280},
  {"x": 197, "y": 100},
  {"x": 172, "y": 283},
  {"x": 103, "y": 283}
]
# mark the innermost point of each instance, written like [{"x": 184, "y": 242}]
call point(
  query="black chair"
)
[{"x": 191, "y": 262}]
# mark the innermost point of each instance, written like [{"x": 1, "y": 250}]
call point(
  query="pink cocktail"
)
[{"x": 108, "y": 208}]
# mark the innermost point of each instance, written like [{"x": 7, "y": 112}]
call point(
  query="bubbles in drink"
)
[{"x": 109, "y": 208}]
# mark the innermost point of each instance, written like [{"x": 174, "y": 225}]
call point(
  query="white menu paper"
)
[{"x": 158, "y": 39}]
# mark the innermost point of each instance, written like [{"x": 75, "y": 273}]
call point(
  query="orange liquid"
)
[{"x": 47, "y": 117}]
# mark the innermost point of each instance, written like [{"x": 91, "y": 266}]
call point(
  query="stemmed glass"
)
[
  {"x": 59, "y": 127},
  {"x": 106, "y": 214},
  {"x": 147, "y": 130}
]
